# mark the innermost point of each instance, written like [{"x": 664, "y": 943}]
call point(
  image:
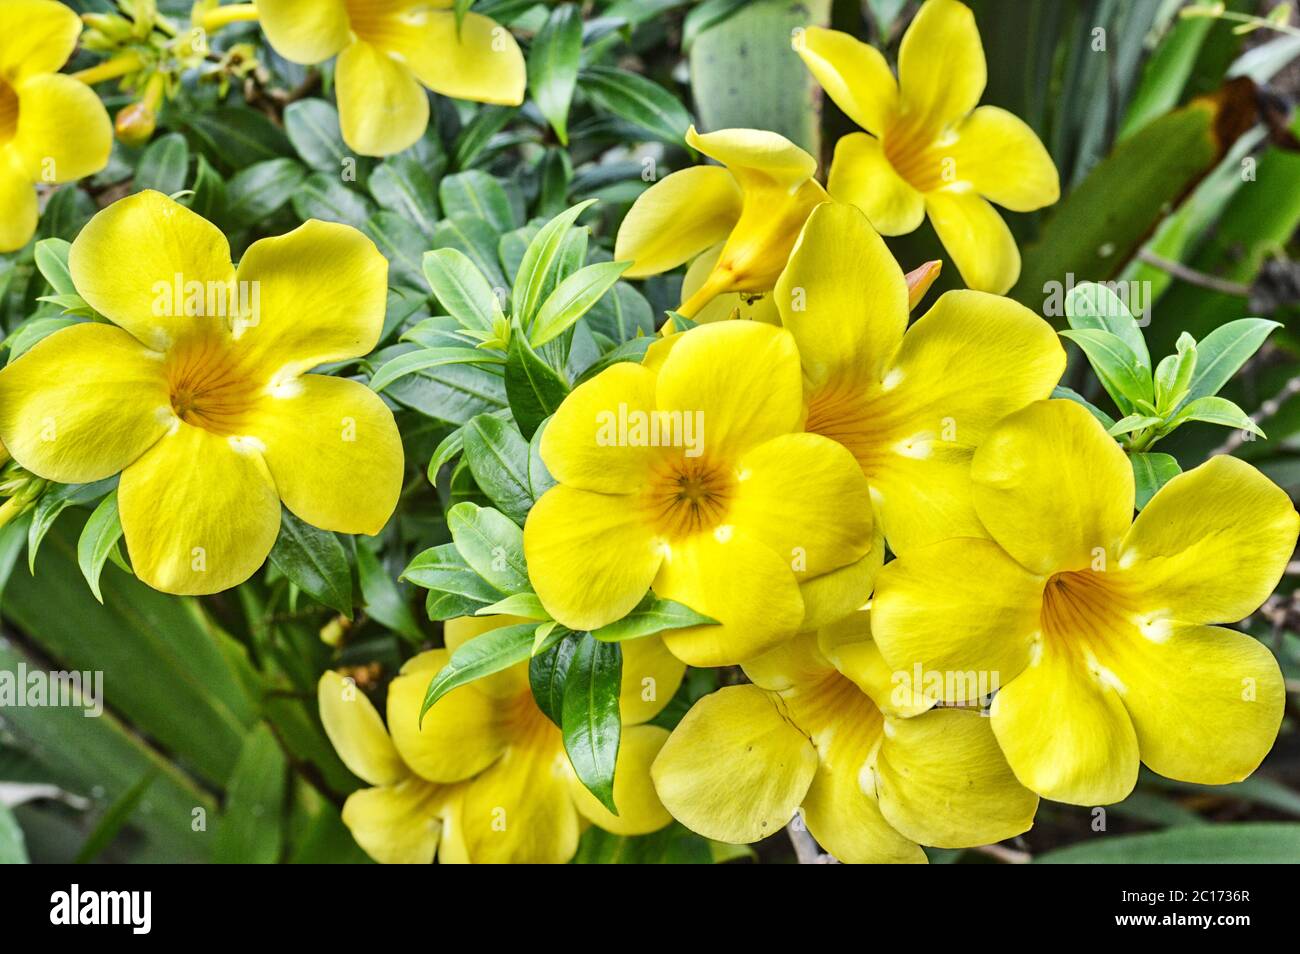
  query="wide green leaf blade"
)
[
  {"x": 1240, "y": 843},
  {"x": 590, "y": 717},
  {"x": 491, "y": 652},
  {"x": 553, "y": 66},
  {"x": 315, "y": 561}
]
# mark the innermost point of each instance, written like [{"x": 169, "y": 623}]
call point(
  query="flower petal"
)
[
  {"x": 854, "y": 75},
  {"x": 846, "y": 820},
  {"x": 588, "y": 444},
  {"x": 521, "y": 811},
  {"x": 590, "y": 557},
  {"x": 199, "y": 512},
  {"x": 941, "y": 400},
  {"x": 382, "y": 107},
  {"x": 836, "y": 594},
  {"x": 998, "y": 154},
  {"x": 1206, "y": 702},
  {"x": 36, "y": 36},
  {"x": 956, "y": 606},
  {"x": 942, "y": 781},
  {"x": 742, "y": 377},
  {"x": 169, "y": 247},
  {"x": 509, "y": 683},
  {"x": 397, "y": 824},
  {"x": 941, "y": 67},
  {"x": 19, "y": 210},
  {"x": 979, "y": 242},
  {"x": 734, "y": 770},
  {"x": 83, "y": 403},
  {"x": 63, "y": 129},
  {"x": 844, "y": 299},
  {"x": 804, "y": 497},
  {"x": 651, "y": 675},
  {"x": 744, "y": 585},
  {"x": 756, "y": 157},
  {"x": 677, "y": 218},
  {"x": 321, "y": 293},
  {"x": 460, "y": 736},
  {"x": 1065, "y": 732},
  {"x": 1053, "y": 488},
  {"x": 356, "y": 731},
  {"x": 323, "y": 438},
  {"x": 639, "y": 809},
  {"x": 848, "y": 645},
  {"x": 863, "y": 176},
  {"x": 1212, "y": 543},
  {"x": 478, "y": 60},
  {"x": 305, "y": 31}
]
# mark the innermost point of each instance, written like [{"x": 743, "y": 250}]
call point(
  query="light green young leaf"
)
[
  {"x": 1215, "y": 410},
  {"x": 526, "y": 605},
  {"x": 572, "y": 299},
  {"x": 1174, "y": 374},
  {"x": 652, "y": 615},
  {"x": 492, "y": 544},
  {"x": 1223, "y": 351},
  {"x": 1150, "y": 473},
  {"x": 539, "y": 259},
  {"x": 493, "y": 651},
  {"x": 1134, "y": 422},
  {"x": 461, "y": 288},
  {"x": 412, "y": 362},
  {"x": 98, "y": 539},
  {"x": 1090, "y": 305},
  {"x": 1117, "y": 367},
  {"x": 52, "y": 262}
]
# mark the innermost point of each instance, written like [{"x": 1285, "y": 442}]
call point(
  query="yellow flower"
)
[
  {"x": 388, "y": 50},
  {"x": 1096, "y": 623},
  {"x": 927, "y": 148},
  {"x": 912, "y": 407},
  {"x": 197, "y": 393},
  {"x": 692, "y": 476},
  {"x": 752, "y": 207},
  {"x": 52, "y": 127},
  {"x": 487, "y": 771},
  {"x": 821, "y": 728}
]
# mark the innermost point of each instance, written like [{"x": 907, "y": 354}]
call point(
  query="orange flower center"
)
[
  {"x": 208, "y": 389},
  {"x": 1085, "y": 610},
  {"x": 689, "y": 495},
  {"x": 923, "y": 165},
  {"x": 8, "y": 113},
  {"x": 376, "y": 21}
]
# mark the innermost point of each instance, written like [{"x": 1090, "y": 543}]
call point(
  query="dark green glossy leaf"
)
[
  {"x": 590, "y": 716},
  {"x": 315, "y": 561}
]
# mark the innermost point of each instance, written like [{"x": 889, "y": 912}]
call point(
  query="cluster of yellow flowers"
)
[{"x": 832, "y": 434}]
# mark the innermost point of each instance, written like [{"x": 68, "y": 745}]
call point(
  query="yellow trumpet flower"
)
[
  {"x": 197, "y": 391},
  {"x": 1098, "y": 625},
  {"x": 388, "y": 50},
  {"x": 52, "y": 127},
  {"x": 752, "y": 207},
  {"x": 820, "y": 729},
  {"x": 485, "y": 779},
  {"x": 911, "y": 403},
  {"x": 927, "y": 149},
  {"x": 690, "y": 474}
]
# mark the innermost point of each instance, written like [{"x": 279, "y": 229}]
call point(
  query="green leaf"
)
[
  {"x": 572, "y": 299},
  {"x": 52, "y": 262},
  {"x": 53, "y": 502},
  {"x": 261, "y": 190},
  {"x": 527, "y": 605},
  {"x": 1150, "y": 473},
  {"x": 539, "y": 262},
  {"x": 383, "y": 599},
  {"x": 402, "y": 185},
  {"x": 546, "y": 675},
  {"x": 1063, "y": 393},
  {"x": 590, "y": 717},
  {"x": 1090, "y": 305},
  {"x": 475, "y": 194},
  {"x": 13, "y": 847},
  {"x": 477, "y": 134},
  {"x": 535, "y": 389},
  {"x": 455, "y": 589},
  {"x": 114, "y": 820},
  {"x": 1174, "y": 374},
  {"x": 164, "y": 165},
  {"x": 312, "y": 125},
  {"x": 491, "y": 544},
  {"x": 322, "y": 196},
  {"x": 1166, "y": 73},
  {"x": 413, "y": 362},
  {"x": 210, "y": 198},
  {"x": 251, "y": 828},
  {"x": 315, "y": 561},
  {"x": 497, "y": 455},
  {"x": 636, "y": 99},
  {"x": 1215, "y": 410},
  {"x": 491, "y": 652},
  {"x": 461, "y": 288},
  {"x": 477, "y": 239},
  {"x": 1134, "y": 422},
  {"x": 99, "y": 539},
  {"x": 402, "y": 244},
  {"x": 1226, "y": 843},
  {"x": 651, "y": 615},
  {"x": 553, "y": 66},
  {"x": 1223, "y": 351},
  {"x": 235, "y": 136},
  {"x": 1117, "y": 367}
]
